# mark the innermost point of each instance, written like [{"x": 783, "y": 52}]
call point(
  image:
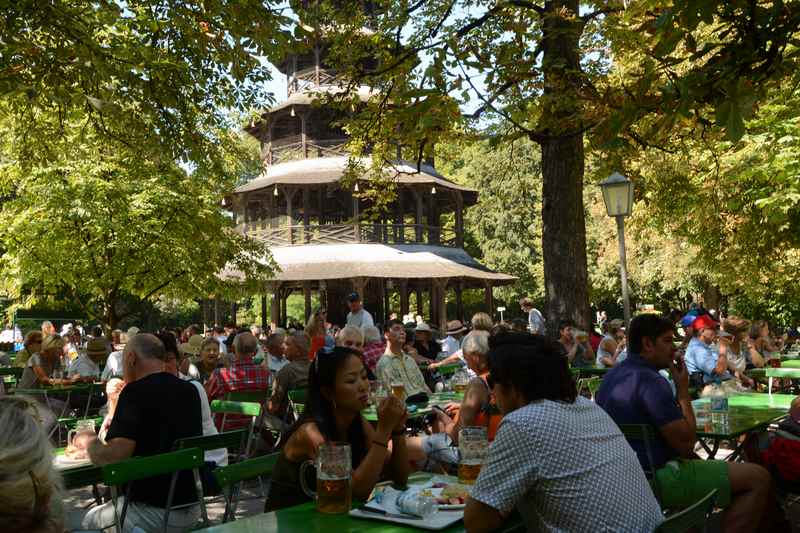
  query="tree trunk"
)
[{"x": 560, "y": 137}]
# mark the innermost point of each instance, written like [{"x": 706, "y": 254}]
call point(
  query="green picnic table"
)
[
  {"x": 786, "y": 372},
  {"x": 437, "y": 398},
  {"x": 79, "y": 475},
  {"x": 591, "y": 370},
  {"x": 305, "y": 518},
  {"x": 747, "y": 412}
]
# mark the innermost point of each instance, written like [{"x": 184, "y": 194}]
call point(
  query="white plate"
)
[{"x": 61, "y": 462}]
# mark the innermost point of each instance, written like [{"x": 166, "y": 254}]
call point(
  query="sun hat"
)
[
  {"x": 422, "y": 326},
  {"x": 454, "y": 327},
  {"x": 704, "y": 322},
  {"x": 193, "y": 346},
  {"x": 132, "y": 331},
  {"x": 97, "y": 347}
]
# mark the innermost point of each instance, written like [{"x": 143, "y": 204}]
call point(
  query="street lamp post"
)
[{"x": 618, "y": 197}]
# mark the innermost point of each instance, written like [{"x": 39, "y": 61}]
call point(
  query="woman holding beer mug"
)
[{"x": 338, "y": 390}]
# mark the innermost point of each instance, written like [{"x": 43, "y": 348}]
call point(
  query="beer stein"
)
[
  {"x": 473, "y": 445},
  {"x": 334, "y": 467}
]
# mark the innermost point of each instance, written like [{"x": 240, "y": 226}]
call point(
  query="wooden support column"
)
[
  {"x": 275, "y": 307},
  {"x": 459, "y": 219},
  {"x": 403, "y": 297},
  {"x": 459, "y": 300},
  {"x": 284, "y": 296},
  {"x": 307, "y": 300},
  {"x": 306, "y": 214},
  {"x": 401, "y": 218},
  {"x": 356, "y": 224},
  {"x": 359, "y": 284},
  {"x": 303, "y": 136},
  {"x": 440, "y": 286},
  {"x": 323, "y": 293},
  {"x": 488, "y": 298},
  {"x": 382, "y": 310},
  {"x": 418, "y": 215},
  {"x": 387, "y": 303},
  {"x": 432, "y": 311},
  {"x": 263, "y": 311},
  {"x": 233, "y": 312},
  {"x": 420, "y": 309},
  {"x": 217, "y": 320},
  {"x": 288, "y": 193},
  {"x": 433, "y": 221}
]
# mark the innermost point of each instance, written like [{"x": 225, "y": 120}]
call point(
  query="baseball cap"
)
[
  {"x": 353, "y": 297},
  {"x": 704, "y": 321}
]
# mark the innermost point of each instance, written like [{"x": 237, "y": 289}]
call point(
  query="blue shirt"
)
[
  {"x": 701, "y": 358},
  {"x": 633, "y": 392}
]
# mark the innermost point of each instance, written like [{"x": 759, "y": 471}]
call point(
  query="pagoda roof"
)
[
  {"x": 400, "y": 261},
  {"x": 321, "y": 170}
]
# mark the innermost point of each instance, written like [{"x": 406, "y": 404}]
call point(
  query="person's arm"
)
[
  {"x": 474, "y": 397},
  {"x": 508, "y": 473},
  {"x": 588, "y": 352},
  {"x": 450, "y": 359},
  {"x": 275, "y": 405},
  {"x": 608, "y": 346},
  {"x": 390, "y": 412},
  {"x": 113, "y": 451},
  {"x": 680, "y": 433},
  {"x": 755, "y": 356}
]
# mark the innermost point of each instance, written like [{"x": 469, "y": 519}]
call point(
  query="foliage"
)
[
  {"x": 737, "y": 205},
  {"x": 158, "y": 76},
  {"x": 503, "y": 230},
  {"x": 545, "y": 70},
  {"x": 101, "y": 223}
]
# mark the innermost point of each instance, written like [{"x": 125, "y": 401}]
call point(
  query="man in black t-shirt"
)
[{"x": 154, "y": 410}]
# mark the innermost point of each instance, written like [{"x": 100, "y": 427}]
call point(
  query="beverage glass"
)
[
  {"x": 460, "y": 381},
  {"x": 82, "y": 427},
  {"x": 473, "y": 444},
  {"x": 399, "y": 390},
  {"x": 377, "y": 392},
  {"x": 580, "y": 336},
  {"x": 334, "y": 493}
]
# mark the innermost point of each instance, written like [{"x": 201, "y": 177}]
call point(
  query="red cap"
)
[{"x": 704, "y": 321}]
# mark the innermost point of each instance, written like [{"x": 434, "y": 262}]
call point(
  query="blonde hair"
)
[
  {"x": 30, "y": 490},
  {"x": 482, "y": 322},
  {"x": 349, "y": 332},
  {"x": 315, "y": 325}
]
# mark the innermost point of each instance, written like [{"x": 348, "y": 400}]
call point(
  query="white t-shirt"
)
[
  {"x": 220, "y": 455},
  {"x": 450, "y": 345},
  {"x": 113, "y": 368},
  {"x": 361, "y": 319},
  {"x": 193, "y": 375}
]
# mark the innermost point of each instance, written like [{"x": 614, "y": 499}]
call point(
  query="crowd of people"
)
[{"x": 552, "y": 450}]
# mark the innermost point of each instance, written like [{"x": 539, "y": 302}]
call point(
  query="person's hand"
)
[
  {"x": 433, "y": 366},
  {"x": 184, "y": 367},
  {"x": 391, "y": 414},
  {"x": 680, "y": 376},
  {"x": 452, "y": 408},
  {"x": 82, "y": 440}
]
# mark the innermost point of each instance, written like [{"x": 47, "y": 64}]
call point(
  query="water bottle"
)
[
  {"x": 719, "y": 406},
  {"x": 414, "y": 504}
]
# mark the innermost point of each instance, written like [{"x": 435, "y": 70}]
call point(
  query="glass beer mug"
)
[
  {"x": 473, "y": 444},
  {"x": 334, "y": 467},
  {"x": 82, "y": 427}
]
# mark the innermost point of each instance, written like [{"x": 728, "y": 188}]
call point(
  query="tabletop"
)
[
  {"x": 592, "y": 370},
  {"x": 305, "y": 518},
  {"x": 746, "y": 412},
  {"x": 437, "y": 398}
]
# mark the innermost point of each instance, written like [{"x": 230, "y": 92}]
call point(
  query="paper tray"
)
[{"x": 435, "y": 522}]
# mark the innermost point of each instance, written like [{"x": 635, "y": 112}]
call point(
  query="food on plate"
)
[
  {"x": 452, "y": 493},
  {"x": 76, "y": 454}
]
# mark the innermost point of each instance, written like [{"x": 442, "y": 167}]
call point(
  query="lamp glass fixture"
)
[
  {"x": 433, "y": 190},
  {"x": 617, "y": 195},
  {"x": 275, "y": 193},
  {"x": 356, "y": 187}
]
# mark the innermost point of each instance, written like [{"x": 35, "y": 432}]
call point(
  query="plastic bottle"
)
[
  {"x": 410, "y": 502},
  {"x": 719, "y": 406}
]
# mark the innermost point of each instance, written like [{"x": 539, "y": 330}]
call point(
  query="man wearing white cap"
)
[{"x": 113, "y": 368}]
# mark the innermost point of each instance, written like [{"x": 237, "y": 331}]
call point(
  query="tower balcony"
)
[{"x": 363, "y": 232}]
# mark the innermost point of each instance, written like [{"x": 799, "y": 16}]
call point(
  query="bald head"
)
[{"x": 146, "y": 346}]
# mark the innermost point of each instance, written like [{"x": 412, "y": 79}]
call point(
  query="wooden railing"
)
[
  {"x": 291, "y": 149},
  {"x": 350, "y": 233}
]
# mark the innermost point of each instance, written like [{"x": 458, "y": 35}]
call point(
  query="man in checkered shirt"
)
[
  {"x": 243, "y": 375},
  {"x": 557, "y": 457}
]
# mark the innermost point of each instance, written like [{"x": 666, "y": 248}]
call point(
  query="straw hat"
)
[
  {"x": 193, "y": 346},
  {"x": 735, "y": 326},
  {"x": 454, "y": 327},
  {"x": 96, "y": 347},
  {"x": 422, "y": 326}
]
